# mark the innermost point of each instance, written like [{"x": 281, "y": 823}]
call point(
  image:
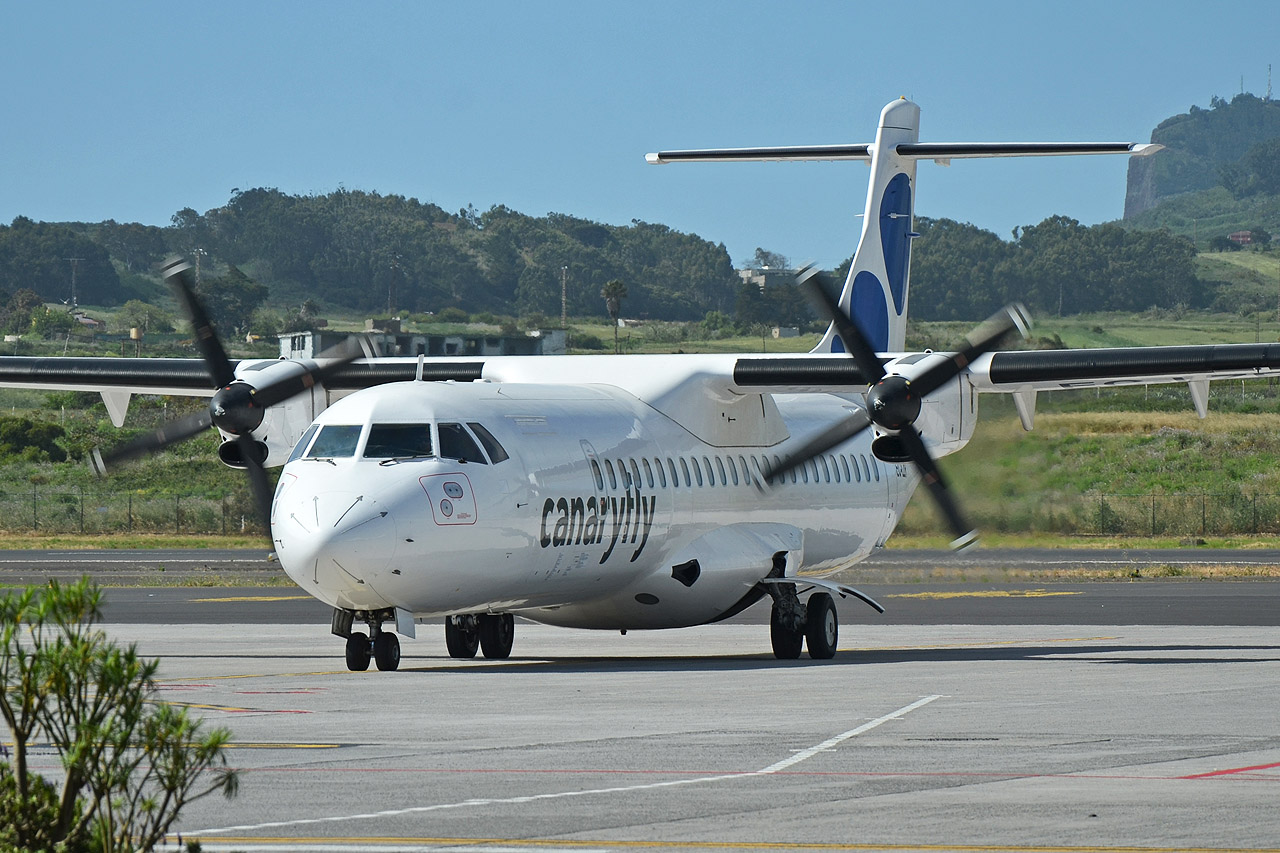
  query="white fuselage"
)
[{"x": 594, "y": 519}]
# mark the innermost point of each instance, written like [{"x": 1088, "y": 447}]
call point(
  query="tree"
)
[
  {"x": 764, "y": 259},
  {"x": 231, "y": 299},
  {"x": 144, "y": 316},
  {"x": 130, "y": 762},
  {"x": 613, "y": 292},
  {"x": 21, "y": 307}
]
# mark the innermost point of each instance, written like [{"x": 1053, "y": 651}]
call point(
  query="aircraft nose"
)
[{"x": 333, "y": 541}]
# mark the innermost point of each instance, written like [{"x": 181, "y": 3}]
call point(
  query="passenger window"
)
[
  {"x": 826, "y": 472},
  {"x": 648, "y": 472},
  {"x": 844, "y": 463},
  {"x": 724, "y": 481},
  {"x": 613, "y": 478},
  {"x": 875, "y": 467},
  {"x": 711, "y": 476},
  {"x": 624, "y": 476},
  {"x": 697, "y": 472},
  {"x": 595, "y": 472},
  {"x": 671, "y": 466},
  {"x": 733, "y": 469},
  {"x": 804, "y": 471},
  {"x": 301, "y": 446},
  {"x": 635, "y": 474},
  {"x": 835, "y": 468},
  {"x": 491, "y": 446},
  {"x": 335, "y": 442},
  {"x": 684, "y": 466},
  {"x": 866, "y": 472},
  {"x": 457, "y": 443},
  {"x": 394, "y": 441}
]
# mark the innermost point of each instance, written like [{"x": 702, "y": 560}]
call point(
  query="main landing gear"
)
[
  {"x": 493, "y": 634},
  {"x": 382, "y": 647},
  {"x": 792, "y": 625}
]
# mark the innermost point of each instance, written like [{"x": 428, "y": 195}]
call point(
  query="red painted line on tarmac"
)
[
  {"x": 1232, "y": 771},
  {"x": 957, "y": 774}
]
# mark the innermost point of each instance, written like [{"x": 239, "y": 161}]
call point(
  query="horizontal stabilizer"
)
[
  {"x": 751, "y": 155},
  {"x": 909, "y": 151}
]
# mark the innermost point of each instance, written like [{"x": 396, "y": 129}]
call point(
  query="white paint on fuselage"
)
[{"x": 551, "y": 541}]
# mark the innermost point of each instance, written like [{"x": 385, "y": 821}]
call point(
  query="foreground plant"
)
[{"x": 130, "y": 762}]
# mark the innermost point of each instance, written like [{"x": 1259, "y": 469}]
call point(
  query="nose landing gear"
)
[{"x": 382, "y": 647}]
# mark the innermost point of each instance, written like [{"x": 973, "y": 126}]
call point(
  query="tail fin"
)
[{"x": 875, "y": 292}]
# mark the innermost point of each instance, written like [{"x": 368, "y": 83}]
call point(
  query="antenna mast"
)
[{"x": 74, "y": 263}]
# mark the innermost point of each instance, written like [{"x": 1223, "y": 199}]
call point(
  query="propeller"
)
[
  {"x": 237, "y": 408},
  {"x": 893, "y": 401}
]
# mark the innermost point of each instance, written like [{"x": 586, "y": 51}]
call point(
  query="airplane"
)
[{"x": 623, "y": 492}]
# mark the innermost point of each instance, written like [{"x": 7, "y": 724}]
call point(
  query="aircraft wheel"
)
[
  {"x": 358, "y": 652},
  {"x": 497, "y": 634},
  {"x": 462, "y": 641},
  {"x": 822, "y": 628},
  {"x": 787, "y": 642},
  {"x": 386, "y": 651}
]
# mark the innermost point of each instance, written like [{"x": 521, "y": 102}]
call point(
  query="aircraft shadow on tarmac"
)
[{"x": 1104, "y": 654}]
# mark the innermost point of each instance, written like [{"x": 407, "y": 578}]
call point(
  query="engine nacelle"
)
[
  {"x": 231, "y": 454},
  {"x": 282, "y": 424}
]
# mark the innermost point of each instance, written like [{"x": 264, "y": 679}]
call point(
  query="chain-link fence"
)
[
  {"x": 1099, "y": 514},
  {"x": 81, "y": 511}
]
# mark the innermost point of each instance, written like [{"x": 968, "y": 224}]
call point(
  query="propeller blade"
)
[
  {"x": 290, "y": 386},
  {"x": 158, "y": 439},
  {"x": 914, "y": 444},
  {"x": 259, "y": 483},
  {"x": 215, "y": 357},
  {"x": 981, "y": 340},
  {"x": 840, "y": 431},
  {"x": 810, "y": 278}
]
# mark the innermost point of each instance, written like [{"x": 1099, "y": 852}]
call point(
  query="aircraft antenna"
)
[{"x": 1268, "y": 97}]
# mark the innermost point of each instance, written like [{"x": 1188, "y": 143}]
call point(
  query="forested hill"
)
[
  {"x": 363, "y": 250},
  {"x": 1219, "y": 172}
]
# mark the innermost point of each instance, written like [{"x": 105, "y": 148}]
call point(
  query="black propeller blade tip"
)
[
  {"x": 965, "y": 542},
  {"x": 174, "y": 266},
  {"x": 96, "y": 464}
]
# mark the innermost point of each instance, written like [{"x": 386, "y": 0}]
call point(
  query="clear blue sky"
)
[{"x": 134, "y": 110}]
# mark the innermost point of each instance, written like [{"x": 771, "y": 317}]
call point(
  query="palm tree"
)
[{"x": 614, "y": 291}]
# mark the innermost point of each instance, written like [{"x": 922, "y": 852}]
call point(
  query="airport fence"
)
[
  {"x": 81, "y": 511},
  {"x": 92, "y": 512},
  {"x": 1167, "y": 514}
]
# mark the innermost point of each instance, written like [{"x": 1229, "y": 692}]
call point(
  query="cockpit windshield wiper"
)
[{"x": 398, "y": 459}]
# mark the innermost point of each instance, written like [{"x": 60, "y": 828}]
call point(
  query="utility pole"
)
[
  {"x": 564, "y": 297},
  {"x": 197, "y": 253},
  {"x": 74, "y": 263}
]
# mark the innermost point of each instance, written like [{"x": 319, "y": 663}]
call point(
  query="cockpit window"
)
[
  {"x": 301, "y": 446},
  {"x": 457, "y": 443},
  {"x": 491, "y": 446},
  {"x": 335, "y": 441},
  {"x": 398, "y": 441}
]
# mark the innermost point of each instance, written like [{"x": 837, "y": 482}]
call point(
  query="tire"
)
[
  {"x": 460, "y": 642},
  {"x": 358, "y": 652},
  {"x": 386, "y": 651},
  {"x": 822, "y": 628},
  {"x": 787, "y": 644},
  {"x": 497, "y": 634}
]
